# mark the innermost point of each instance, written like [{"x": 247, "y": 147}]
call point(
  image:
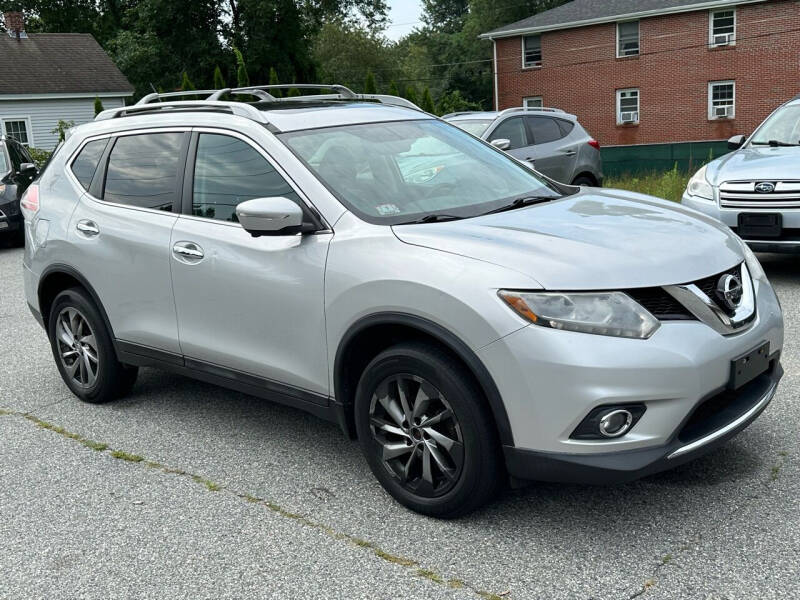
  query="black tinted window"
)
[
  {"x": 544, "y": 129},
  {"x": 512, "y": 130},
  {"x": 566, "y": 126},
  {"x": 143, "y": 170},
  {"x": 16, "y": 156},
  {"x": 229, "y": 171},
  {"x": 87, "y": 160}
]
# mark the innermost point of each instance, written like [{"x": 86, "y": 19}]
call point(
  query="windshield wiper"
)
[
  {"x": 774, "y": 144},
  {"x": 521, "y": 202},
  {"x": 434, "y": 218}
]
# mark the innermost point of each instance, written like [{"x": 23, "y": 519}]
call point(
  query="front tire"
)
[
  {"x": 83, "y": 350},
  {"x": 426, "y": 431}
]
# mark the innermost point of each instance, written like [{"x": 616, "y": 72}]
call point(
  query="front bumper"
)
[{"x": 788, "y": 242}]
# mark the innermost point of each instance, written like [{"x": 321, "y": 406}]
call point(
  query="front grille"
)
[
  {"x": 709, "y": 284},
  {"x": 743, "y": 194}
]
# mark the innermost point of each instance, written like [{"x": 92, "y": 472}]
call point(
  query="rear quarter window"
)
[
  {"x": 85, "y": 164},
  {"x": 3, "y": 161}
]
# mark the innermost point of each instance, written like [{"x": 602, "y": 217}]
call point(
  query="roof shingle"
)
[{"x": 52, "y": 63}]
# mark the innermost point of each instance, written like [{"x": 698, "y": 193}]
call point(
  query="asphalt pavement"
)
[{"x": 187, "y": 490}]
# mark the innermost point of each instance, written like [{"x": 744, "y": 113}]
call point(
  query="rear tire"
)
[
  {"x": 584, "y": 181},
  {"x": 445, "y": 469},
  {"x": 83, "y": 350}
]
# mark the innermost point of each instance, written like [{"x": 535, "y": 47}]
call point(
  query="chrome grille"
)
[{"x": 743, "y": 194}]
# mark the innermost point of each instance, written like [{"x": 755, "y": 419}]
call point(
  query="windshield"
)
[
  {"x": 782, "y": 127},
  {"x": 474, "y": 126},
  {"x": 399, "y": 172}
]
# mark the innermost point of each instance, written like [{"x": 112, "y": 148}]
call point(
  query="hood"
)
[
  {"x": 594, "y": 240},
  {"x": 755, "y": 163}
]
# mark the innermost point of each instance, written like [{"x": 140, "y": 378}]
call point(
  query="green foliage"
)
[
  {"x": 61, "y": 128},
  {"x": 370, "y": 87},
  {"x": 453, "y": 101},
  {"x": 39, "y": 156},
  {"x": 293, "y": 92},
  {"x": 273, "y": 80},
  {"x": 411, "y": 94},
  {"x": 219, "y": 80},
  {"x": 393, "y": 89},
  {"x": 670, "y": 184},
  {"x": 98, "y": 106},
  {"x": 242, "y": 78},
  {"x": 427, "y": 101}
]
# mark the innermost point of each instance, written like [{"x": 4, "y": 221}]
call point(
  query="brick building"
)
[{"x": 653, "y": 71}]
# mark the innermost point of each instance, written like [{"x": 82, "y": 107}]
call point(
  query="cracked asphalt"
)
[{"x": 299, "y": 515}]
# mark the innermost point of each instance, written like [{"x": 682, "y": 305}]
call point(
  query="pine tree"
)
[
  {"x": 186, "y": 85},
  {"x": 369, "y": 84},
  {"x": 219, "y": 81},
  {"x": 393, "y": 90},
  {"x": 273, "y": 80},
  {"x": 294, "y": 91},
  {"x": 242, "y": 78},
  {"x": 427, "y": 101},
  {"x": 411, "y": 94},
  {"x": 98, "y": 106}
]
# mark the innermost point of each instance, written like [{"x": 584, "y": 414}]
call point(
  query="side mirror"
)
[
  {"x": 270, "y": 216},
  {"x": 27, "y": 168},
  {"x": 501, "y": 143},
  {"x": 736, "y": 142}
]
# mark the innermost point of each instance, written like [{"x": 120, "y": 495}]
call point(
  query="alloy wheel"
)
[
  {"x": 77, "y": 347},
  {"x": 418, "y": 435}
]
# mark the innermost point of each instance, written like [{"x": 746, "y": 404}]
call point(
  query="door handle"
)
[
  {"x": 569, "y": 152},
  {"x": 188, "y": 250},
  {"x": 88, "y": 228}
]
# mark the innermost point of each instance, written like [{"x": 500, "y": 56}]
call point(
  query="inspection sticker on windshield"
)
[{"x": 387, "y": 209}]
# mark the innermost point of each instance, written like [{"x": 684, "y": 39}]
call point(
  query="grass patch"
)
[
  {"x": 210, "y": 485},
  {"x": 99, "y": 446},
  {"x": 126, "y": 456},
  {"x": 429, "y": 575},
  {"x": 669, "y": 185}
]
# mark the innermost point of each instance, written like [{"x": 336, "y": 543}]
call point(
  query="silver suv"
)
[
  {"x": 756, "y": 189},
  {"x": 548, "y": 138},
  {"x": 359, "y": 259}
]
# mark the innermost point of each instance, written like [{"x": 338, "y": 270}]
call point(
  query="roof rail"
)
[
  {"x": 530, "y": 109},
  {"x": 343, "y": 91},
  {"x": 159, "y": 95},
  {"x": 236, "y": 108},
  {"x": 461, "y": 112}
]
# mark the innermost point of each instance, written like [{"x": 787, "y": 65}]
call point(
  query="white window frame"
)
[
  {"x": 534, "y": 65},
  {"x": 711, "y": 84},
  {"x": 528, "y": 99},
  {"x": 28, "y": 127},
  {"x": 711, "y": 14},
  {"x": 638, "y": 39},
  {"x": 638, "y": 105}
]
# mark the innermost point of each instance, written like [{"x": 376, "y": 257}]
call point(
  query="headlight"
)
[
  {"x": 699, "y": 186},
  {"x": 755, "y": 268},
  {"x": 600, "y": 313}
]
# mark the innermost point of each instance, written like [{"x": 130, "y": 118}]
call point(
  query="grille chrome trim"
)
[
  {"x": 743, "y": 194},
  {"x": 710, "y": 313}
]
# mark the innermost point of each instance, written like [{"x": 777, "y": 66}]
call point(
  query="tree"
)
[
  {"x": 369, "y": 84},
  {"x": 445, "y": 15},
  {"x": 242, "y": 78},
  {"x": 411, "y": 94},
  {"x": 61, "y": 128},
  {"x": 98, "y": 106},
  {"x": 427, "y": 101},
  {"x": 294, "y": 91},
  {"x": 453, "y": 101},
  {"x": 186, "y": 83},
  {"x": 273, "y": 80},
  {"x": 219, "y": 81},
  {"x": 393, "y": 90}
]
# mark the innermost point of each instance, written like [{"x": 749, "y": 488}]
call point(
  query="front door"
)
[{"x": 250, "y": 305}]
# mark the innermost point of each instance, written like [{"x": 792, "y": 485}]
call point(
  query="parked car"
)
[
  {"x": 550, "y": 139},
  {"x": 17, "y": 170},
  {"x": 755, "y": 189},
  {"x": 465, "y": 325}
]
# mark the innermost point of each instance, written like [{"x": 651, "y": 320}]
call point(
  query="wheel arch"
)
[
  {"x": 586, "y": 175},
  {"x": 372, "y": 334},
  {"x": 57, "y": 278}
]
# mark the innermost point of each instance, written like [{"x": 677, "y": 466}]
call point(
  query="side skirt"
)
[{"x": 317, "y": 404}]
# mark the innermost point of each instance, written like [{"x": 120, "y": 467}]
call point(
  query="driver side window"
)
[
  {"x": 512, "y": 129},
  {"x": 229, "y": 171}
]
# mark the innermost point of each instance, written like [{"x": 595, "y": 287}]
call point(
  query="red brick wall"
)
[{"x": 580, "y": 74}]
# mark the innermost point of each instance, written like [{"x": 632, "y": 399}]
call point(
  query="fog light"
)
[
  {"x": 615, "y": 423},
  {"x": 609, "y": 421}
]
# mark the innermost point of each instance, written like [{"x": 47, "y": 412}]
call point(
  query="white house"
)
[{"x": 47, "y": 77}]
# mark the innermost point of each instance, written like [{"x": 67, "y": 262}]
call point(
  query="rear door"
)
[
  {"x": 120, "y": 230},
  {"x": 252, "y": 306},
  {"x": 553, "y": 154}
]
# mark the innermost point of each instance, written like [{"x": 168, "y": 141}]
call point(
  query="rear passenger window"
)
[
  {"x": 566, "y": 126},
  {"x": 544, "y": 129},
  {"x": 85, "y": 165},
  {"x": 229, "y": 171},
  {"x": 513, "y": 130},
  {"x": 143, "y": 170}
]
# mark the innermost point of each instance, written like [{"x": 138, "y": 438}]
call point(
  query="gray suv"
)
[
  {"x": 464, "y": 318},
  {"x": 755, "y": 190},
  {"x": 550, "y": 139}
]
